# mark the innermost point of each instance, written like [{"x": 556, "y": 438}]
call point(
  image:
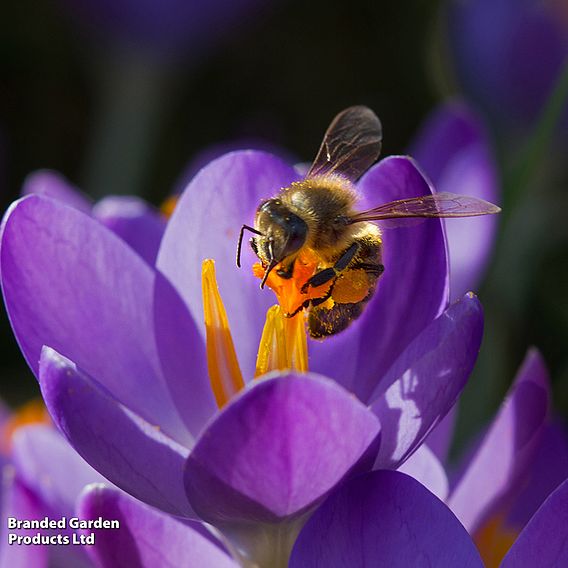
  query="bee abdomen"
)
[{"x": 323, "y": 322}]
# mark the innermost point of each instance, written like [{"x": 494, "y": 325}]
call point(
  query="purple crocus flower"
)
[
  {"x": 511, "y": 470},
  {"x": 496, "y": 468},
  {"x": 508, "y": 53},
  {"x": 120, "y": 351}
]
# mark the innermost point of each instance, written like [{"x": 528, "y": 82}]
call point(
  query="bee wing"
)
[
  {"x": 351, "y": 144},
  {"x": 436, "y": 205}
]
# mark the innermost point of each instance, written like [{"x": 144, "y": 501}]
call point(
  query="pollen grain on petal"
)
[{"x": 224, "y": 371}]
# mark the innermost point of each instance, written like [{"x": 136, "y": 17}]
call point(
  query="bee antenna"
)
[{"x": 240, "y": 243}]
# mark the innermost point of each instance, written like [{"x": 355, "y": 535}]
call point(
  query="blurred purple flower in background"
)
[
  {"x": 511, "y": 470},
  {"x": 47, "y": 477},
  {"x": 44, "y": 478},
  {"x": 454, "y": 150},
  {"x": 497, "y": 468},
  {"x": 119, "y": 349},
  {"x": 131, "y": 218},
  {"x": 508, "y": 54}
]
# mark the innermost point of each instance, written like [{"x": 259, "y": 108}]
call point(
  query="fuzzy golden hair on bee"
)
[{"x": 324, "y": 203}]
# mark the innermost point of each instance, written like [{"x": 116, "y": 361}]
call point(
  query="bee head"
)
[{"x": 282, "y": 233}]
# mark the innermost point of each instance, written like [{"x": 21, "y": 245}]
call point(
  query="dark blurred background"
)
[{"x": 121, "y": 101}]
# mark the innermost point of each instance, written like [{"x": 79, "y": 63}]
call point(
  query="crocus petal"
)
[
  {"x": 134, "y": 221},
  {"x": 440, "y": 439},
  {"x": 278, "y": 448},
  {"x": 425, "y": 467},
  {"x": 146, "y": 537},
  {"x": 19, "y": 503},
  {"x": 454, "y": 150},
  {"x": 470, "y": 241},
  {"x": 127, "y": 450},
  {"x": 214, "y": 151},
  {"x": 52, "y": 184},
  {"x": 412, "y": 291},
  {"x": 544, "y": 540},
  {"x": 384, "y": 518},
  {"x": 426, "y": 380},
  {"x": 508, "y": 54},
  {"x": 452, "y": 128},
  {"x": 206, "y": 223},
  {"x": 507, "y": 449},
  {"x": 549, "y": 468},
  {"x": 71, "y": 284},
  {"x": 51, "y": 467},
  {"x": 183, "y": 357}
]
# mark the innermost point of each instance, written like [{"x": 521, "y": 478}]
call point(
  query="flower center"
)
[
  {"x": 283, "y": 344},
  {"x": 289, "y": 291}
]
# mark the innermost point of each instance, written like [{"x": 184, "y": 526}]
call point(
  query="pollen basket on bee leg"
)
[
  {"x": 224, "y": 371},
  {"x": 351, "y": 287}
]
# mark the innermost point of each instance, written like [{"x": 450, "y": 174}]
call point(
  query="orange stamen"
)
[
  {"x": 283, "y": 344},
  {"x": 224, "y": 371}
]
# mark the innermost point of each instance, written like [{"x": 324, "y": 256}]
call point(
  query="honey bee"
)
[{"x": 316, "y": 251}]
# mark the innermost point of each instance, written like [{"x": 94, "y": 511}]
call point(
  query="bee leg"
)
[
  {"x": 304, "y": 306},
  {"x": 317, "y": 301},
  {"x": 313, "y": 302},
  {"x": 328, "y": 274},
  {"x": 375, "y": 269},
  {"x": 253, "y": 245}
]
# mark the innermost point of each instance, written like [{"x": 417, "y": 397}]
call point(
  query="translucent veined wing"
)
[
  {"x": 351, "y": 144},
  {"x": 437, "y": 205}
]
